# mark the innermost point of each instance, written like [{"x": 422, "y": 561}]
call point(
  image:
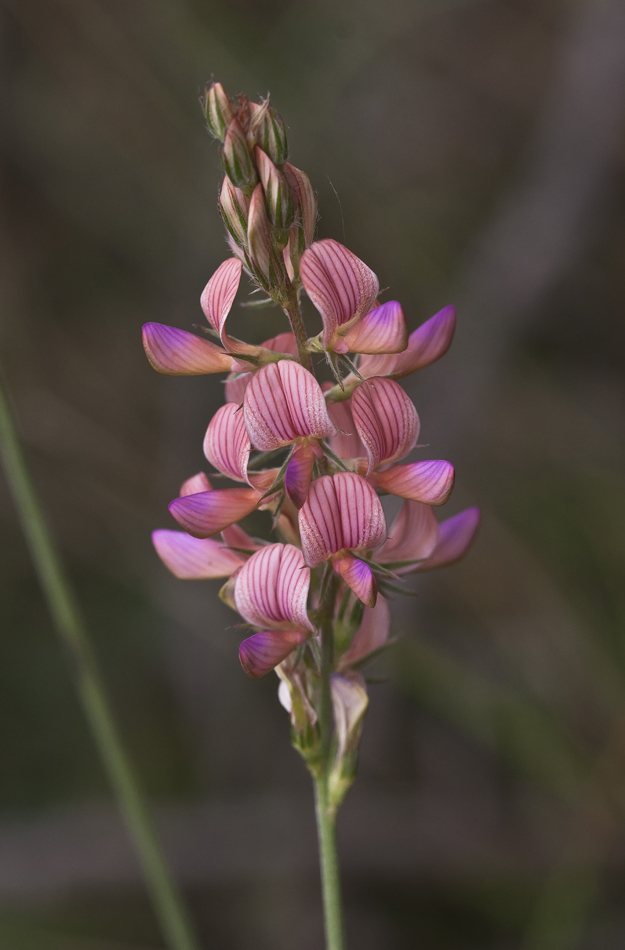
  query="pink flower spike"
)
[
  {"x": 341, "y": 512},
  {"x": 284, "y": 402},
  {"x": 176, "y": 352},
  {"x": 264, "y": 651},
  {"x": 455, "y": 538},
  {"x": 227, "y": 444},
  {"x": 195, "y": 559},
  {"x": 412, "y": 536},
  {"x": 358, "y": 576},
  {"x": 382, "y": 330},
  {"x": 299, "y": 473},
  {"x": 427, "y": 344},
  {"x": 340, "y": 285},
  {"x": 195, "y": 484},
  {"x": 272, "y": 589},
  {"x": 429, "y": 482},
  {"x": 386, "y": 420},
  {"x": 208, "y": 512},
  {"x": 371, "y": 635}
]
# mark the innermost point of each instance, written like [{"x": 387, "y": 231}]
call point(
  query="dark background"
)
[{"x": 477, "y": 149}]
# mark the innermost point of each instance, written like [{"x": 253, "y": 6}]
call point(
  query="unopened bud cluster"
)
[{"x": 267, "y": 205}]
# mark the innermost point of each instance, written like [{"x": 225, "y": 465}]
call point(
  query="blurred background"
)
[{"x": 471, "y": 152}]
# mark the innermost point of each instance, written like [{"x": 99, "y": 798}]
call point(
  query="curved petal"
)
[
  {"x": 358, "y": 576},
  {"x": 179, "y": 353},
  {"x": 235, "y": 386},
  {"x": 346, "y": 442},
  {"x": 211, "y": 511},
  {"x": 339, "y": 284},
  {"x": 426, "y": 344},
  {"x": 217, "y": 299},
  {"x": 298, "y": 474},
  {"x": 195, "y": 484},
  {"x": 371, "y": 635},
  {"x": 227, "y": 444},
  {"x": 235, "y": 537},
  {"x": 455, "y": 537},
  {"x": 349, "y": 705},
  {"x": 264, "y": 651},
  {"x": 195, "y": 559},
  {"x": 386, "y": 420},
  {"x": 283, "y": 402},
  {"x": 382, "y": 330},
  {"x": 430, "y": 482},
  {"x": 282, "y": 343},
  {"x": 412, "y": 536},
  {"x": 272, "y": 589},
  {"x": 341, "y": 511}
]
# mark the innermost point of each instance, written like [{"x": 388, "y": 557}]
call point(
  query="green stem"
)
[
  {"x": 294, "y": 313},
  {"x": 71, "y": 630}
]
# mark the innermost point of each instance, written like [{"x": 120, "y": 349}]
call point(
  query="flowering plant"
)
[{"x": 316, "y": 455}]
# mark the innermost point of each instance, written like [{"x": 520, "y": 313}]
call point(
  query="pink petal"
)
[
  {"x": 235, "y": 387},
  {"x": 341, "y": 511},
  {"x": 371, "y": 635},
  {"x": 218, "y": 295},
  {"x": 272, "y": 588},
  {"x": 194, "y": 558},
  {"x": 427, "y": 344},
  {"x": 264, "y": 651},
  {"x": 283, "y": 402},
  {"x": 211, "y": 511},
  {"x": 178, "y": 353},
  {"x": 349, "y": 705},
  {"x": 412, "y": 536},
  {"x": 235, "y": 537},
  {"x": 455, "y": 537},
  {"x": 346, "y": 443},
  {"x": 195, "y": 484},
  {"x": 386, "y": 420},
  {"x": 358, "y": 576},
  {"x": 299, "y": 473},
  {"x": 382, "y": 330},
  {"x": 227, "y": 444},
  {"x": 429, "y": 482},
  {"x": 282, "y": 343},
  {"x": 341, "y": 287}
]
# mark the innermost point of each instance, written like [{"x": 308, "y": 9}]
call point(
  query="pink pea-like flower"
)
[
  {"x": 426, "y": 344},
  {"x": 284, "y": 402}
]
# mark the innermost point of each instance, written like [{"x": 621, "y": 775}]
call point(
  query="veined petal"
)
[
  {"x": 371, "y": 635},
  {"x": 195, "y": 558},
  {"x": 272, "y": 589},
  {"x": 217, "y": 299},
  {"x": 341, "y": 511},
  {"x": 386, "y": 420},
  {"x": 195, "y": 484},
  {"x": 358, "y": 576},
  {"x": 179, "y": 353},
  {"x": 455, "y": 537},
  {"x": 283, "y": 402},
  {"x": 235, "y": 386},
  {"x": 339, "y": 284},
  {"x": 211, "y": 511},
  {"x": 382, "y": 330},
  {"x": 264, "y": 651},
  {"x": 430, "y": 482},
  {"x": 227, "y": 444},
  {"x": 299, "y": 473},
  {"x": 426, "y": 344},
  {"x": 412, "y": 536}
]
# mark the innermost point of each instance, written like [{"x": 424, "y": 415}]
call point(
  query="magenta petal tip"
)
[{"x": 264, "y": 651}]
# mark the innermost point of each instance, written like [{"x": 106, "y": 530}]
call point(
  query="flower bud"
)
[
  {"x": 259, "y": 236},
  {"x": 234, "y": 207},
  {"x": 303, "y": 230},
  {"x": 278, "y": 194},
  {"x": 236, "y": 159},
  {"x": 269, "y": 132},
  {"x": 217, "y": 109}
]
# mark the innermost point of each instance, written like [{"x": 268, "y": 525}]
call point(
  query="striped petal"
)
[
  {"x": 341, "y": 511},
  {"x": 264, "y": 651},
  {"x": 342, "y": 288},
  {"x": 179, "y": 353},
  {"x": 195, "y": 559},
  {"x": 283, "y": 402},
  {"x": 298, "y": 474},
  {"x": 195, "y": 484},
  {"x": 358, "y": 576},
  {"x": 429, "y": 482},
  {"x": 346, "y": 443},
  {"x": 412, "y": 536},
  {"x": 386, "y": 420},
  {"x": 211, "y": 511},
  {"x": 427, "y": 344},
  {"x": 455, "y": 537},
  {"x": 217, "y": 299},
  {"x": 272, "y": 589},
  {"x": 382, "y": 330},
  {"x": 227, "y": 444},
  {"x": 372, "y": 634}
]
